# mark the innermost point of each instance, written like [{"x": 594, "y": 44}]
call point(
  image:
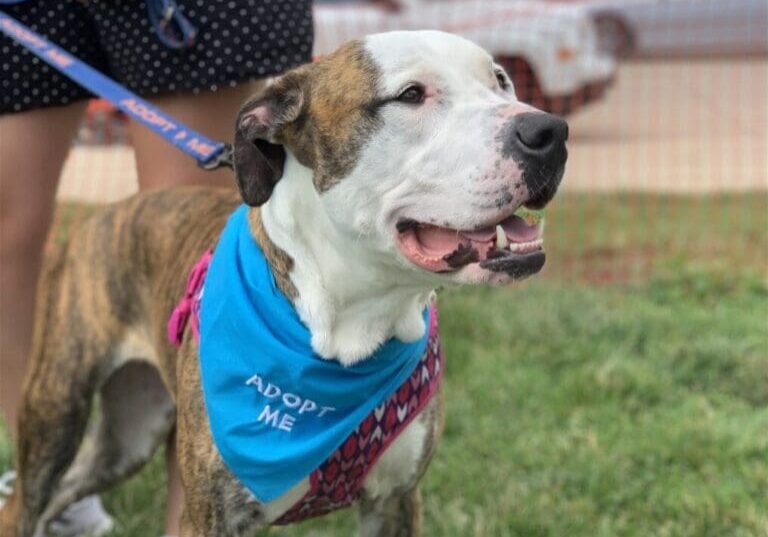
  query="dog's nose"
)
[
  {"x": 538, "y": 139},
  {"x": 541, "y": 136}
]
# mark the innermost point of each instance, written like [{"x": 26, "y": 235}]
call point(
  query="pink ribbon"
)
[{"x": 188, "y": 306}]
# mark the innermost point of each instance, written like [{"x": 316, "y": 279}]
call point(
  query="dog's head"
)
[{"x": 417, "y": 143}]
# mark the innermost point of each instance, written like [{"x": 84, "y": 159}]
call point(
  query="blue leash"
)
[{"x": 208, "y": 153}]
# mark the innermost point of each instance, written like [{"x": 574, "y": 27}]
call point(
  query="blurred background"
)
[
  {"x": 624, "y": 391},
  {"x": 666, "y": 100}
]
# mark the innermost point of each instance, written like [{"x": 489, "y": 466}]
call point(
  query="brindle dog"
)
[{"x": 366, "y": 173}]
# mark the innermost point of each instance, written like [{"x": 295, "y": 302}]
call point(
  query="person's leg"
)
[
  {"x": 160, "y": 164},
  {"x": 33, "y": 147},
  {"x": 175, "y": 497},
  {"x": 213, "y": 114}
]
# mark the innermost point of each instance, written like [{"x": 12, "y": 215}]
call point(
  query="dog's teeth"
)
[{"x": 501, "y": 237}]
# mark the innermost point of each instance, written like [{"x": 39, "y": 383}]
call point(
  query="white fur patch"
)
[
  {"x": 136, "y": 343},
  {"x": 399, "y": 463},
  {"x": 274, "y": 510},
  {"x": 355, "y": 288}
]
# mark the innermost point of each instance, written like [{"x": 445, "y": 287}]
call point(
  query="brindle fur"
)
[
  {"x": 280, "y": 262},
  {"x": 104, "y": 301},
  {"x": 324, "y": 112},
  {"x": 343, "y": 110}
]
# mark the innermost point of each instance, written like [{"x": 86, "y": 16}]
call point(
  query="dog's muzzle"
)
[{"x": 536, "y": 141}]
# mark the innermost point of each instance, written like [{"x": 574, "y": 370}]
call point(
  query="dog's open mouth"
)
[{"x": 513, "y": 245}]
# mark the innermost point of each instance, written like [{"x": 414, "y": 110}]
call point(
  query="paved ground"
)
[{"x": 667, "y": 126}]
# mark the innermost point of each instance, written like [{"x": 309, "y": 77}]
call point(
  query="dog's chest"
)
[
  {"x": 398, "y": 465},
  {"x": 397, "y": 469},
  {"x": 386, "y": 450}
]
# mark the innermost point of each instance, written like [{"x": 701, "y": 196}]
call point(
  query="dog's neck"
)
[{"x": 350, "y": 304}]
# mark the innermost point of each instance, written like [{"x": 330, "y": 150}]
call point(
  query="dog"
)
[{"x": 385, "y": 170}]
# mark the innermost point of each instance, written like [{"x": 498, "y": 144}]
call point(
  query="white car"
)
[
  {"x": 676, "y": 27},
  {"x": 550, "y": 51}
]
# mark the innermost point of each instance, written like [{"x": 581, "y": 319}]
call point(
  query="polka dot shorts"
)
[{"x": 237, "y": 40}]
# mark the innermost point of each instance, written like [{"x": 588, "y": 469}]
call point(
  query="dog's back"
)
[{"x": 130, "y": 260}]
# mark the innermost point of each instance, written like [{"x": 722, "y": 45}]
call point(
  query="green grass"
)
[
  {"x": 637, "y": 407},
  {"x": 630, "y": 237}
]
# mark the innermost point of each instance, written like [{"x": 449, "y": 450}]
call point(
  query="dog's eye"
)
[
  {"x": 413, "y": 94},
  {"x": 501, "y": 78}
]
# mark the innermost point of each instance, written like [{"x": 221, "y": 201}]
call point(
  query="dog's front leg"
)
[
  {"x": 187, "y": 528},
  {"x": 397, "y": 515},
  {"x": 215, "y": 503}
]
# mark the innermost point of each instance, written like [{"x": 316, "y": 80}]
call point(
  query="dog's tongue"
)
[
  {"x": 515, "y": 228},
  {"x": 438, "y": 241},
  {"x": 481, "y": 235},
  {"x": 518, "y": 230}
]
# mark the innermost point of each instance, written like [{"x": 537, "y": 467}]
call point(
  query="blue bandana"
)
[{"x": 277, "y": 410}]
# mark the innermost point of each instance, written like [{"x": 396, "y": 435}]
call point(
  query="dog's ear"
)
[{"x": 259, "y": 152}]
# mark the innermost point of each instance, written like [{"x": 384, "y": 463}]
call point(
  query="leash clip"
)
[
  {"x": 224, "y": 158},
  {"x": 171, "y": 26},
  {"x": 168, "y": 15}
]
